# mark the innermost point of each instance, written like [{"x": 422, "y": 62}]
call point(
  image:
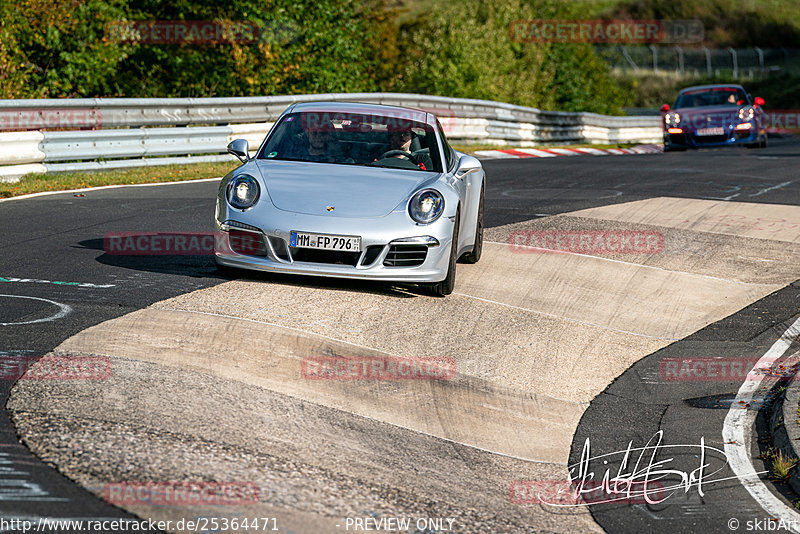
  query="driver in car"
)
[
  {"x": 318, "y": 143},
  {"x": 400, "y": 137}
]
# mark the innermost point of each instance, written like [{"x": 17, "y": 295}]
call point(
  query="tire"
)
[
  {"x": 446, "y": 286},
  {"x": 477, "y": 248}
]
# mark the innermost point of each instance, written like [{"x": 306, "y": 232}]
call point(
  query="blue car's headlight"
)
[
  {"x": 746, "y": 113},
  {"x": 426, "y": 206},
  {"x": 242, "y": 192}
]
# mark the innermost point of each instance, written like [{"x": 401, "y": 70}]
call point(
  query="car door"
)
[{"x": 466, "y": 192}]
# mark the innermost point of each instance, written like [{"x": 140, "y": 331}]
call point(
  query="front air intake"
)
[{"x": 406, "y": 255}]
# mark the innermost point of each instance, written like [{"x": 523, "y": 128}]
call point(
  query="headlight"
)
[
  {"x": 672, "y": 118},
  {"x": 747, "y": 113},
  {"x": 243, "y": 192},
  {"x": 426, "y": 206}
]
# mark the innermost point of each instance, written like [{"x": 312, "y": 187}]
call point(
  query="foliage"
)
[
  {"x": 782, "y": 466},
  {"x": 67, "y": 48},
  {"x": 35, "y": 183},
  {"x": 737, "y": 23},
  {"x": 53, "y": 48},
  {"x": 464, "y": 49},
  {"x": 63, "y": 48}
]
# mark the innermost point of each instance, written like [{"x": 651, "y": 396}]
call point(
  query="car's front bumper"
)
[
  {"x": 730, "y": 137},
  {"x": 379, "y": 240}
]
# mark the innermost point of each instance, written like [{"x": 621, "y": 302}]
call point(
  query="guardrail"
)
[{"x": 122, "y": 132}]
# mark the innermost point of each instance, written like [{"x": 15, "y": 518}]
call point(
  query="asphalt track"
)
[{"x": 58, "y": 238}]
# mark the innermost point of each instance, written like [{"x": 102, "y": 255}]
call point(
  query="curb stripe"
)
[
  {"x": 736, "y": 433},
  {"x": 518, "y": 153}
]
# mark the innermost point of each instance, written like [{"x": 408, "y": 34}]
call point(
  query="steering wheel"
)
[{"x": 393, "y": 153}]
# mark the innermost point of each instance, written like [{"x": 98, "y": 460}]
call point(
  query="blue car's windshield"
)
[
  {"x": 711, "y": 96},
  {"x": 354, "y": 139}
]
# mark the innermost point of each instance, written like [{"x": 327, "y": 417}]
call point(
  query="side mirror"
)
[
  {"x": 467, "y": 165},
  {"x": 664, "y": 108},
  {"x": 239, "y": 148},
  {"x": 759, "y": 101}
]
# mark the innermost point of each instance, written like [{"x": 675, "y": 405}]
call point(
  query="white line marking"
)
[
  {"x": 63, "y": 310},
  {"x": 45, "y": 193},
  {"x": 784, "y": 184},
  {"x": 737, "y": 444}
]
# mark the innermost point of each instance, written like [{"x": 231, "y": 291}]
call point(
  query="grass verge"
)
[{"x": 36, "y": 183}]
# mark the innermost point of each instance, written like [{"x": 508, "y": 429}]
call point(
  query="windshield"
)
[
  {"x": 712, "y": 96},
  {"x": 354, "y": 139}
]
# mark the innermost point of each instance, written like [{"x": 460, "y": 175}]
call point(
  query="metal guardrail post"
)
[
  {"x": 760, "y": 59},
  {"x": 735, "y": 62},
  {"x": 708, "y": 59},
  {"x": 654, "y": 50},
  {"x": 680, "y": 59},
  {"x": 628, "y": 57}
]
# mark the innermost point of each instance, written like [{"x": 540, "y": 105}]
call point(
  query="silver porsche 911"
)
[{"x": 353, "y": 191}]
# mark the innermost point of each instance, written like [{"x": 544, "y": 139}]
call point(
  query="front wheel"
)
[
  {"x": 446, "y": 286},
  {"x": 477, "y": 248}
]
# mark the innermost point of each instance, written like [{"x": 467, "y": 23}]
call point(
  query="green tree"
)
[
  {"x": 469, "y": 49},
  {"x": 55, "y": 48}
]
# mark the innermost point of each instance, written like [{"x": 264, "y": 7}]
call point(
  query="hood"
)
[
  {"x": 352, "y": 190},
  {"x": 698, "y": 117}
]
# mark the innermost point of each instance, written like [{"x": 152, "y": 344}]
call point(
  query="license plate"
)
[
  {"x": 710, "y": 131},
  {"x": 346, "y": 243}
]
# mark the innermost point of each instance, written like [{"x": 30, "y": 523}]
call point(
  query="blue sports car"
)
[{"x": 714, "y": 115}]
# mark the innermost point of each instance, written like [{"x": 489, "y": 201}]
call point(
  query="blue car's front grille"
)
[{"x": 700, "y": 139}]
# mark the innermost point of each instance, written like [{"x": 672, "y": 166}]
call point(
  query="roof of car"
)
[
  {"x": 693, "y": 88},
  {"x": 416, "y": 115}
]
